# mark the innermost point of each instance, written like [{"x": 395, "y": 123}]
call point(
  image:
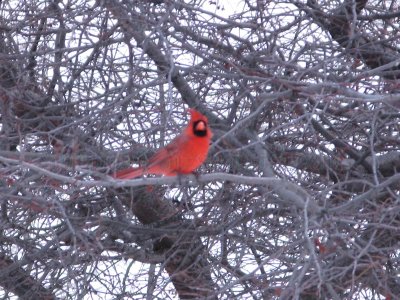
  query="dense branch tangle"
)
[{"x": 301, "y": 199}]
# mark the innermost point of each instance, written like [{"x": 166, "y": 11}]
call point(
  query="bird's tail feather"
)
[{"x": 129, "y": 173}]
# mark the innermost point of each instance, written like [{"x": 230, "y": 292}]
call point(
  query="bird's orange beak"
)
[{"x": 201, "y": 126}]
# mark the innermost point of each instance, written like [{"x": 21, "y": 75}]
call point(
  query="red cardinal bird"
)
[{"x": 183, "y": 155}]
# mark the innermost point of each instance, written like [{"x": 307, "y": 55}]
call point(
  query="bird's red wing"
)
[{"x": 165, "y": 159}]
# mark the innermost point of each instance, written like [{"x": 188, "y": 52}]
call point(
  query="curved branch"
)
[
  {"x": 15, "y": 279},
  {"x": 341, "y": 26}
]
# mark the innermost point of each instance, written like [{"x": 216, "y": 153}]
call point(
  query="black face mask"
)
[{"x": 200, "y": 132}]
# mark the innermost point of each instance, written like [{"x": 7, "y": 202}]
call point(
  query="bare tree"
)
[{"x": 299, "y": 197}]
